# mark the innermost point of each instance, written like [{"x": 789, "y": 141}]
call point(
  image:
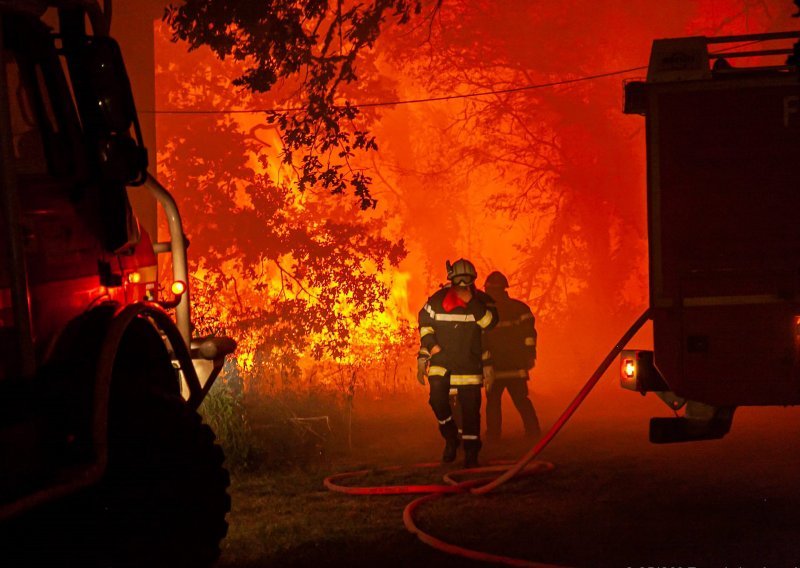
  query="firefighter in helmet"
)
[
  {"x": 512, "y": 344},
  {"x": 451, "y": 324}
]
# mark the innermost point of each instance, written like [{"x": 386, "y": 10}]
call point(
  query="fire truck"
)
[
  {"x": 722, "y": 120},
  {"x": 103, "y": 452}
]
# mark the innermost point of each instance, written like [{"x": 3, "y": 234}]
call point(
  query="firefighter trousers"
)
[
  {"x": 518, "y": 389},
  {"x": 469, "y": 399}
]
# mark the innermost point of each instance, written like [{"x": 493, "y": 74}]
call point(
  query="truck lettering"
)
[{"x": 791, "y": 106}]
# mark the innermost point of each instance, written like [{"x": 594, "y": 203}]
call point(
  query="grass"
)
[
  {"x": 290, "y": 520},
  {"x": 282, "y": 514},
  {"x": 613, "y": 500}
]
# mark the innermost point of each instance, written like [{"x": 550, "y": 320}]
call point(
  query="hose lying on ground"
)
[{"x": 482, "y": 485}]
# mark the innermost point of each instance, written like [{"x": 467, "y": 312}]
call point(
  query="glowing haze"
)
[{"x": 546, "y": 185}]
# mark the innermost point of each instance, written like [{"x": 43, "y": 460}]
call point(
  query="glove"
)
[
  {"x": 422, "y": 369},
  {"x": 488, "y": 377}
]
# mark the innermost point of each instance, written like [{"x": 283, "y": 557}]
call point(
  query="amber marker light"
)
[
  {"x": 178, "y": 287},
  {"x": 134, "y": 277},
  {"x": 629, "y": 368},
  {"x": 627, "y": 371}
]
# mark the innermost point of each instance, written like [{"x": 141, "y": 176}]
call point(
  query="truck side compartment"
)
[{"x": 723, "y": 141}]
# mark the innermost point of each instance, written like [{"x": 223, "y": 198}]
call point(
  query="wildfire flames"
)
[{"x": 545, "y": 184}]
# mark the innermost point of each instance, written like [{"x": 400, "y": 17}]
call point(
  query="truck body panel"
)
[{"x": 724, "y": 238}]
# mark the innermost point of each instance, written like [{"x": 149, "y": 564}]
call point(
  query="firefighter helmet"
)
[
  {"x": 496, "y": 280},
  {"x": 461, "y": 273}
]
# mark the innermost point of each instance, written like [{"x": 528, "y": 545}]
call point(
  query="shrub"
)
[{"x": 224, "y": 410}]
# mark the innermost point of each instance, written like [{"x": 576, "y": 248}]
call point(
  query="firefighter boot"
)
[
  {"x": 471, "y": 449},
  {"x": 450, "y": 434},
  {"x": 450, "y": 449}
]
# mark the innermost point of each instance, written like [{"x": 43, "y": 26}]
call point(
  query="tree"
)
[
  {"x": 315, "y": 47},
  {"x": 283, "y": 271},
  {"x": 568, "y": 162},
  {"x": 554, "y": 154}
]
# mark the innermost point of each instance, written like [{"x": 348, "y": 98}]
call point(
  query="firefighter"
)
[
  {"x": 512, "y": 344},
  {"x": 450, "y": 325}
]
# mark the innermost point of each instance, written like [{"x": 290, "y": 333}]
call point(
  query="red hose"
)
[
  {"x": 523, "y": 467},
  {"x": 452, "y": 486},
  {"x": 330, "y": 483},
  {"x": 570, "y": 410},
  {"x": 408, "y": 520}
]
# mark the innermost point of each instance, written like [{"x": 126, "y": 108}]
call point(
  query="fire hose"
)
[{"x": 480, "y": 486}]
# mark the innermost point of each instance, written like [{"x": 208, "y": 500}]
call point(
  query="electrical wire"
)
[
  {"x": 441, "y": 98},
  {"x": 399, "y": 102},
  {"x": 523, "y": 467}
]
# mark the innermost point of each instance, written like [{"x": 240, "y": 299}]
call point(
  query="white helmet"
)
[{"x": 461, "y": 273}]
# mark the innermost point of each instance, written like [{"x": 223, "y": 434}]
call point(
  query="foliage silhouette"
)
[
  {"x": 287, "y": 273},
  {"x": 316, "y": 45}
]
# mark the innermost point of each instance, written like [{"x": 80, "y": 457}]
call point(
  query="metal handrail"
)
[
  {"x": 754, "y": 37},
  {"x": 177, "y": 246},
  {"x": 9, "y": 204},
  {"x": 762, "y": 53}
]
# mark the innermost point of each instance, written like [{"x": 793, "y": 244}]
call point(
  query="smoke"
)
[{"x": 546, "y": 185}]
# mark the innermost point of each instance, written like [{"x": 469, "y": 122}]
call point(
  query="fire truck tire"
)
[{"x": 164, "y": 498}]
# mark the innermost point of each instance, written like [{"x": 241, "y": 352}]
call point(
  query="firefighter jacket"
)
[
  {"x": 457, "y": 332},
  {"x": 512, "y": 342}
]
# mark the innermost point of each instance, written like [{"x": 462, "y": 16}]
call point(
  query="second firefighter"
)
[{"x": 513, "y": 347}]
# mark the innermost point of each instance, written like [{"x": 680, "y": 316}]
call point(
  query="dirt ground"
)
[{"x": 613, "y": 499}]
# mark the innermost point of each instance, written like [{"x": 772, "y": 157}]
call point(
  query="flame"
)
[
  {"x": 546, "y": 185},
  {"x": 381, "y": 332}
]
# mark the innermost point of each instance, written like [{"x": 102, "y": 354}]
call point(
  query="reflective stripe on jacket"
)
[{"x": 458, "y": 334}]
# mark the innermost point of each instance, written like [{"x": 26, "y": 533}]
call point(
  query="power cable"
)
[
  {"x": 409, "y": 101},
  {"x": 399, "y": 102}
]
